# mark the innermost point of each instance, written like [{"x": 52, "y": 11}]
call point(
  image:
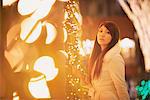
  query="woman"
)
[{"x": 106, "y": 66}]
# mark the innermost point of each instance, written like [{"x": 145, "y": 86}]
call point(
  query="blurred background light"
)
[
  {"x": 127, "y": 43},
  {"x": 127, "y": 48},
  {"x": 87, "y": 46}
]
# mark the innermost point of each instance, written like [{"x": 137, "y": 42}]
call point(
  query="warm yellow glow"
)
[
  {"x": 26, "y": 27},
  {"x": 8, "y": 2},
  {"x": 35, "y": 34},
  {"x": 43, "y": 10},
  {"x": 65, "y": 35},
  {"x": 14, "y": 55},
  {"x": 15, "y": 96},
  {"x": 82, "y": 52},
  {"x": 26, "y": 7},
  {"x": 79, "y": 17},
  {"x": 127, "y": 43},
  {"x": 46, "y": 65},
  {"x": 65, "y": 15},
  {"x": 64, "y": 0},
  {"x": 12, "y": 34},
  {"x": 38, "y": 87},
  {"x": 51, "y": 33},
  {"x": 64, "y": 53},
  {"x": 27, "y": 67}
]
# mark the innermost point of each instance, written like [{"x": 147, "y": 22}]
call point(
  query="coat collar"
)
[{"x": 112, "y": 52}]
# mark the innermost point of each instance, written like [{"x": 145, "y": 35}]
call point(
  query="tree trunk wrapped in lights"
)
[
  {"x": 138, "y": 12},
  {"x": 72, "y": 26}
]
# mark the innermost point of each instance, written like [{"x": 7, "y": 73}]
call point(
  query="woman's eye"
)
[
  {"x": 108, "y": 32},
  {"x": 100, "y": 31}
]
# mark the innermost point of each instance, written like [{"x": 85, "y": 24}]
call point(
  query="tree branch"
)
[{"x": 126, "y": 8}]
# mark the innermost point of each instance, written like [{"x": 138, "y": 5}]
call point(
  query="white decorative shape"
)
[
  {"x": 26, "y": 7},
  {"x": 51, "y": 33},
  {"x": 43, "y": 10},
  {"x": 35, "y": 34},
  {"x": 26, "y": 27},
  {"x": 46, "y": 65},
  {"x": 8, "y": 2},
  {"x": 38, "y": 87}
]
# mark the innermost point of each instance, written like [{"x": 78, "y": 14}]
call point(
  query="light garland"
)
[{"x": 72, "y": 26}]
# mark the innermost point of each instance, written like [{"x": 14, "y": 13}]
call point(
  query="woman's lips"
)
[{"x": 101, "y": 39}]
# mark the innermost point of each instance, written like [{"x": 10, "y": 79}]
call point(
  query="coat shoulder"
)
[
  {"x": 117, "y": 59},
  {"x": 117, "y": 63}
]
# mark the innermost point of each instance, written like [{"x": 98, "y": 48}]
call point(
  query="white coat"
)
[{"x": 111, "y": 84}]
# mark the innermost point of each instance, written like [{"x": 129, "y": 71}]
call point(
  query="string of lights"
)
[{"x": 72, "y": 25}]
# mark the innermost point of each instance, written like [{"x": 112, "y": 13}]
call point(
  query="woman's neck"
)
[{"x": 103, "y": 47}]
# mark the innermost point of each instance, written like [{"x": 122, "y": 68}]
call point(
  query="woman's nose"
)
[{"x": 102, "y": 34}]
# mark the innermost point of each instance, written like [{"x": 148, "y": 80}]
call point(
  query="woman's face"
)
[{"x": 103, "y": 36}]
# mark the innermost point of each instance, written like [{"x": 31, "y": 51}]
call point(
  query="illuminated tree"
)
[
  {"x": 138, "y": 12},
  {"x": 72, "y": 26}
]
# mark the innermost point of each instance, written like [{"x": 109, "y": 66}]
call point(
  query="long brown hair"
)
[{"x": 97, "y": 56}]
